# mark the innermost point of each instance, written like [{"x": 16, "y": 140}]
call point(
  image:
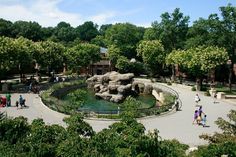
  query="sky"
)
[{"x": 76, "y": 12}]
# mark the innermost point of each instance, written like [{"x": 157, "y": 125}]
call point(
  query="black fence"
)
[{"x": 115, "y": 114}]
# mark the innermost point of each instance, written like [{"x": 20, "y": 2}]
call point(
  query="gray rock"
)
[
  {"x": 122, "y": 89},
  {"x": 111, "y": 86},
  {"x": 117, "y": 98}
]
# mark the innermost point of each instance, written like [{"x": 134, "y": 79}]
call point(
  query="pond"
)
[{"x": 100, "y": 105}]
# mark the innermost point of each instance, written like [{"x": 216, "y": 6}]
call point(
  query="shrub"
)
[
  {"x": 169, "y": 99},
  {"x": 207, "y": 93},
  {"x": 193, "y": 88}
]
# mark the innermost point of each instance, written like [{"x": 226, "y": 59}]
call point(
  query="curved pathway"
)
[{"x": 177, "y": 125}]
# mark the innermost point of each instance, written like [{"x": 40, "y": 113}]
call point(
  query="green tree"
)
[
  {"x": 76, "y": 99},
  {"x": 82, "y": 55},
  {"x": 7, "y": 51},
  {"x": 123, "y": 64},
  {"x": 114, "y": 54},
  {"x": 125, "y": 36},
  {"x": 87, "y": 31},
  {"x": 198, "y": 61},
  {"x": 52, "y": 55},
  {"x": 77, "y": 126},
  {"x": 44, "y": 139},
  {"x": 217, "y": 30},
  {"x": 103, "y": 28},
  {"x": 47, "y": 33},
  {"x": 99, "y": 41},
  {"x": 29, "y": 30},
  {"x": 13, "y": 130},
  {"x": 152, "y": 53},
  {"x": 23, "y": 56},
  {"x": 172, "y": 30},
  {"x": 64, "y": 32},
  {"x": 130, "y": 108},
  {"x": 5, "y": 28}
]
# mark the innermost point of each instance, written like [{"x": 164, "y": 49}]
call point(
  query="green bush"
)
[
  {"x": 169, "y": 99},
  {"x": 193, "y": 88},
  {"x": 169, "y": 83},
  {"x": 207, "y": 93},
  {"x": 204, "y": 88}
]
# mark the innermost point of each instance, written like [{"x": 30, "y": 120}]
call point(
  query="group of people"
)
[
  {"x": 5, "y": 101},
  {"x": 34, "y": 87},
  {"x": 200, "y": 118}
]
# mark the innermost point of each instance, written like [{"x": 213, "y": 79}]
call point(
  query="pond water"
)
[{"x": 91, "y": 103}]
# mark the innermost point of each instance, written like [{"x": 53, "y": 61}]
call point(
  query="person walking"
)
[
  {"x": 195, "y": 116},
  {"x": 22, "y": 101},
  {"x": 215, "y": 98},
  {"x": 200, "y": 111},
  {"x": 177, "y": 105},
  {"x": 197, "y": 99},
  {"x": 8, "y": 98},
  {"x": 204, "y": 119}
]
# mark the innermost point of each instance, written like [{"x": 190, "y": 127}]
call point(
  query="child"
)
[
  {"x": 197, "y": 98},
  {"x": 204, "y": 120},
  {"x": 200, "y": 112},
  {"x": 199, "y": 119}
]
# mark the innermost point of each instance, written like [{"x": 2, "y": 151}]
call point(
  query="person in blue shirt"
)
[
  {"x": 204, "y": 119},
  {"x": 22, "y": 101}
]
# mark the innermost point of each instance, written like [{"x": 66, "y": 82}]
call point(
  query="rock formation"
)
[{"x": 111, "y": 86}]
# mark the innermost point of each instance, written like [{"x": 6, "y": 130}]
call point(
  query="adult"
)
[
  {"x": 215, "y": 97},
  {"x": 195, "y": 116},
  {"x": 3, "y": 101},
  {"x": 8, "y": 98},
  {"x": 30, "y": 87},
  {"x": 177, "y": 105},
  {"x": 200, "y": 112},
  {"x": 22, "y": 101}
]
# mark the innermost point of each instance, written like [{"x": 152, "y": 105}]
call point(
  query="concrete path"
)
[{"x": 177, "y": 125}]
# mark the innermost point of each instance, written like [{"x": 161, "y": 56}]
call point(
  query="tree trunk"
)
[
  {"x": 21, "y": 74},
  {"x": 173, "y": 73},
  {"x": 199, "y": 84},
  {"x": 212, "y": 75}
]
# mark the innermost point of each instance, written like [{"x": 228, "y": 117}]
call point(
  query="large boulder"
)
[
  {"x": 123, "y": 89},
  {"x": 111, "y": 86}
]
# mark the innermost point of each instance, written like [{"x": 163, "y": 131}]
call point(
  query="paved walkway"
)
[{"x": 177, "y": 125}]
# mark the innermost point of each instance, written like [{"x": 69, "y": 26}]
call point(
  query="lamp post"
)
[{"x": 229, "y": 63}]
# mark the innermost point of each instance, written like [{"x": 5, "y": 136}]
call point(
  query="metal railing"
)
[{"x": 115, "y": 114}]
